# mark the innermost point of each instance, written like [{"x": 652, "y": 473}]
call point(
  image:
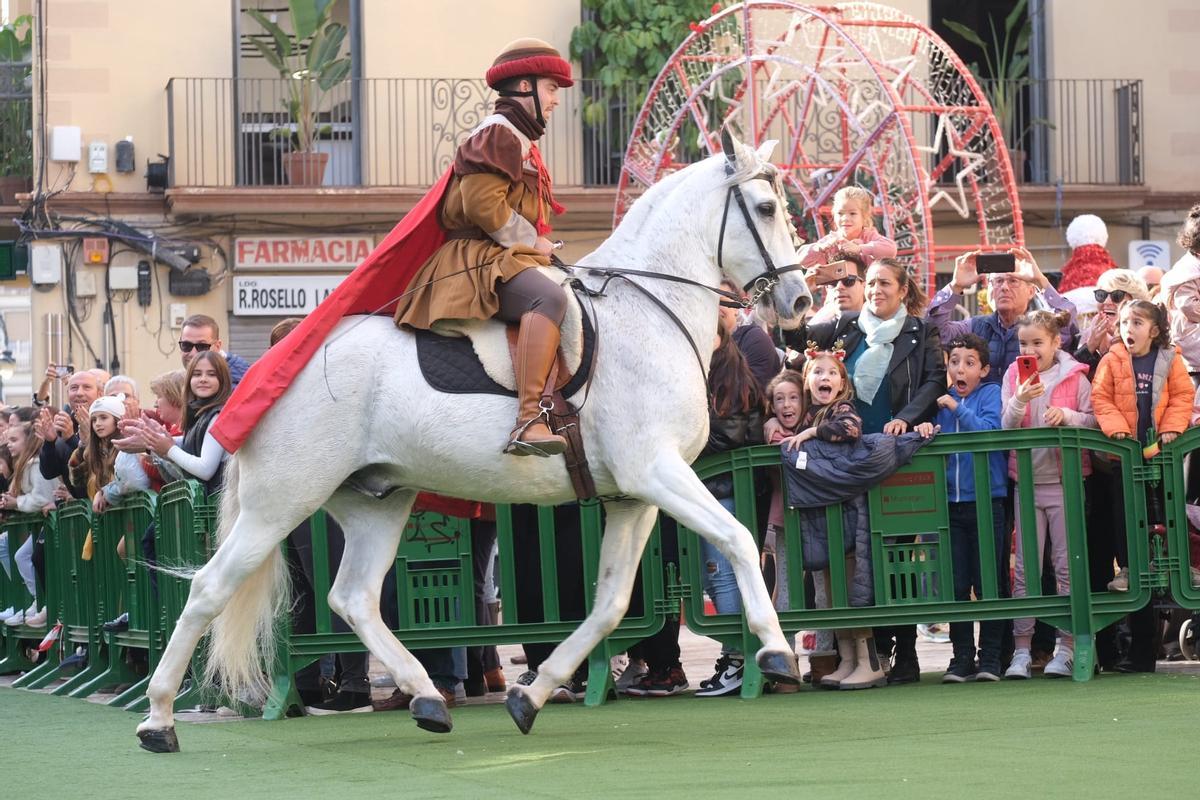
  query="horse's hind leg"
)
[
  {"x": 373, "y": 529},
  {"x": 673, "y": 486},
  {"x": 627, "y": 527}
]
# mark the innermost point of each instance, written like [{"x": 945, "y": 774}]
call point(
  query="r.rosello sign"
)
[
  {"x": 281, "y": 295},
  {"x": 301, "y": 252}
]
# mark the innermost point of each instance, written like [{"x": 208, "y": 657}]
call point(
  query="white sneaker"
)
[
  {"x": 6, "y": 613},
  {"x": 632, "y": 673},
  {"x": 1019, "y": 668},
  {"x": 1061, "y": 666},
  {"x": 37, "y": 620},
  {"x": 15, "y": 619}
]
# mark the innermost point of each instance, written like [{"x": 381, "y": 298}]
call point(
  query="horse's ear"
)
[{"x": 767, "y": 149}]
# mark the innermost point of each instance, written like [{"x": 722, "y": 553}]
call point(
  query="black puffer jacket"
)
[{"x": 731, "y": 432}]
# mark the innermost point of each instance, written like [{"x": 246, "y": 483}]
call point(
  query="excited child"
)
[
  {"x": 1058, "y": 395},
  {"x": 853, "y": 233},
  {"x": 1142, "y": 386},
  {"x": 971, "y": 405}
]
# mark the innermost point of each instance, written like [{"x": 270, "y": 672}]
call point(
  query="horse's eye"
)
[{"x": 767, "y": 209}]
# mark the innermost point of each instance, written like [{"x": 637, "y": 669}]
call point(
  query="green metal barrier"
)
[
  {"x": 19, "y": 638},
  {"x": 912, "y": 578},
  {"x": 435, "y": 595},
  {"x": 1173, "y": 562},
  {"x": 129, "y": 521}
]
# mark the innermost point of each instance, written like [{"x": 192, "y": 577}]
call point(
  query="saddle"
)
[{"x": 476, "y": 357}]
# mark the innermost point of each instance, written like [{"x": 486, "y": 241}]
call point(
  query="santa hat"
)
[
  {"x": 114, "y": 405},
  {"x": 529, "y": 57},
  {"x": 1087, "y": 235}
]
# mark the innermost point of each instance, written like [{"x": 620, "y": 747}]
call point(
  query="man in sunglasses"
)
[
  {"x": 200, "y": 333},
  {"x": 1011, "y": 295}
]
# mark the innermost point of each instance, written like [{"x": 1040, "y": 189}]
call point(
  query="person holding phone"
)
[
  {"x": 1056, "y": 394},
  {"x": 1011, "y": 295}
]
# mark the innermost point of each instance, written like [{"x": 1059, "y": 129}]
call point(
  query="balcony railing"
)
[
  {"x": 377, "y": 131},
  {"x": 402, "y": 132}
]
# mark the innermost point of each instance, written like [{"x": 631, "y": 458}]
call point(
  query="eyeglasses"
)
[
  {"x": 200, "y": 347},
  {"x": 848, "y": 281},
  {"x": 1117, "y": 295}
]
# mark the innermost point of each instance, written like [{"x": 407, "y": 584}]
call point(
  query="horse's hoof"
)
[
  {"x": 431, "y": 714},
  {"x": 779, "y": 666},
  {"x": 521, "y": 709},
  {"x": 162, "y": 740}
]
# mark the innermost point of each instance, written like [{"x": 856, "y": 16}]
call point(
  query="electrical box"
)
[
  {"x": 178, "y": 315},
  {"x": 45, "y": 263},
  {"x": 122, "y": 278},
  {"x": 125, "y": 155},
  {"x": 85, "y": 284},
  {"x": 66, "y": 143},
  {"x": 98, "y": 157},
  {"x": 95, "y": 250},
  {"x": 189, "y": 283}
]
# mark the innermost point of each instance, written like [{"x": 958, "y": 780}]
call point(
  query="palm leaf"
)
[{"x": 283, "y": 42}]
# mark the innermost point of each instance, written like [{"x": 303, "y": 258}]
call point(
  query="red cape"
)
[{"x": 378, "y": 280}]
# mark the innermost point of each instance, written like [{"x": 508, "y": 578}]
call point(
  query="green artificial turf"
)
[{"x": 1132, "y": 737}]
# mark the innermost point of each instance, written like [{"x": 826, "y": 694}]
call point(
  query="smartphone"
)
[
  {"x": 829, "y": 273},
  {"x": 995, "y": 262},
  {"x": 1026, "y": 368},
  {"x": 64, "y": 370}
]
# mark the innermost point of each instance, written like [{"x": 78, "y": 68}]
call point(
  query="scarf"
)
[
  {"x": 871, "y": 367},
  {"x": 522, "y": 120}
]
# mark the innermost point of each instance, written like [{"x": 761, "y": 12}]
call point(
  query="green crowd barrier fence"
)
[
  {"x": 909, "y": 541},
  {"x": 18, "y": 639},
  {"x": 911, "y": 546}
]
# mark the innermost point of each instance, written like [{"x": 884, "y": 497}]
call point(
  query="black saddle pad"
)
[{"x": 449, "y": 364}]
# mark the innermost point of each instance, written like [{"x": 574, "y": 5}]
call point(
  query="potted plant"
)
[
  {"x": 16, "y": 111},
  {"x": 1007, "y": 61},
  {"x": 307, "y": 58}
]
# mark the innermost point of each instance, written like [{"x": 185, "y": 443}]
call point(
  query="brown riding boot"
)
[{"x": 537, "y": 347}]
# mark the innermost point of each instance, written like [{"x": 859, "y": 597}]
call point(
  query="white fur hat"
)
[
  {"x": 114, "y": 405},
  {"x": 1087, "y": 229}
]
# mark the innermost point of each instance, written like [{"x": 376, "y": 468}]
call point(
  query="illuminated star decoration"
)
[{"x": 971, "y": 162}]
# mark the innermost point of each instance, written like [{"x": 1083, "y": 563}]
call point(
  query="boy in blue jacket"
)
[{"x": 972, "y": 405}]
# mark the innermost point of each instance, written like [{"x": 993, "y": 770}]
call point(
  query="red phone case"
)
[{"x": 1026, "y": 367}]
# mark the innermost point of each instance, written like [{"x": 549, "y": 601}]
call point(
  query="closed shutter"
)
[{"x": 249, "y": 337}]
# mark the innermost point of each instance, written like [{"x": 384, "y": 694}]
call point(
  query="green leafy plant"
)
[
  {"x": 308, "y": 58},
  {"x": 16, "y": 112},
  {"x": 632, "y": 40},
  {"x": 1006, "y": 58}
]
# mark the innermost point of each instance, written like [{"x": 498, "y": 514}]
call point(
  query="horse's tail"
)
[{"x": 242, "y": 647}]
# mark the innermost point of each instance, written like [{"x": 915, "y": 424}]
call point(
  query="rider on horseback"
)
[{"x": 495, "y": 214}]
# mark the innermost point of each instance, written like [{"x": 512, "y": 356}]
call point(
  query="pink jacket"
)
[
  {"x": 1067, "y": 388},
  {"x": 1181, "y": 288},
  {"x": 874, "y": 246}
]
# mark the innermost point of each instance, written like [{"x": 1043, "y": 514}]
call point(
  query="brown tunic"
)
[{"x": 459, "y": 280}]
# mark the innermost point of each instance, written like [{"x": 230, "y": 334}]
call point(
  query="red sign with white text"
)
[{"x": 301, "y": 252}]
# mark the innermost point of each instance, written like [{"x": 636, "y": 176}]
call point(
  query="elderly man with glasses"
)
[
  {"x": 201, "y": 333},
  {"x": 1011, "y": 295}
]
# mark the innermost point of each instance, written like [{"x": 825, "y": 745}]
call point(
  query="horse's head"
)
[{"x": 756, "y": 244}]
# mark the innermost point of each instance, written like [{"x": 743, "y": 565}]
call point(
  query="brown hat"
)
[{"x": 525, "y": 57}]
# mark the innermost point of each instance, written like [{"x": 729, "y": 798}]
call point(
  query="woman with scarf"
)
[
  {"x": 496, "y": 213},
  {"x": 895, "y": 362}
]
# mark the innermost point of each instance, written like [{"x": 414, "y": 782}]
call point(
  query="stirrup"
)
[{"x": 517, "y": 447}]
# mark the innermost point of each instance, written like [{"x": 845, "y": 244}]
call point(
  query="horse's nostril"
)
[{"x": 801, "y": 305}]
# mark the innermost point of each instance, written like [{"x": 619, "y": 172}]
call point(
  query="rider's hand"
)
[{"x": 544, "y": 246}]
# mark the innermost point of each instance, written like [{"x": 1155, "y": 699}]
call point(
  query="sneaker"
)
[
  {"x": 6, "y": 613},
  {"x": 121, "y": 623},
  {"x": 660, "y": 684},
  {"x": 960, "y": 670},
  {"x": 726, "y": 679},
  {"x": 342, "y": 703},
  {"x": 569, "y": 692},
  {"x": 1019, "y": 668},
  {"x": 37, "y": 620},
  {"x": 16, "y": 619},
  {"x": 1121, "y": 582},
  {"x": 633, "y": 672},
  {"x": 938, "y": 632},
  {"x": 989, "y": 672},
  {"x": 399, "y": 701},
  {"x": 384, "y": 681},
  {"x": 527, "y": 678},
  {"x": 1061, "y": 666}
]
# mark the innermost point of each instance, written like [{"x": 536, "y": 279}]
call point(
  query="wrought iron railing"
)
[
  {"x": 379, "y": 131},
  {"x": 1072, "y": 131},
  {"x": 403, "y": 131}
]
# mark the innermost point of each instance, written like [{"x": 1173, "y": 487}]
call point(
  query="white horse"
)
[{"x": 365, "y": 455}]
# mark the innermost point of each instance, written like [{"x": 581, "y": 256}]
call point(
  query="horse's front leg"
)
[
  {"x": 673, "y": 486},
  {"x": 627, "y": 527}
]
